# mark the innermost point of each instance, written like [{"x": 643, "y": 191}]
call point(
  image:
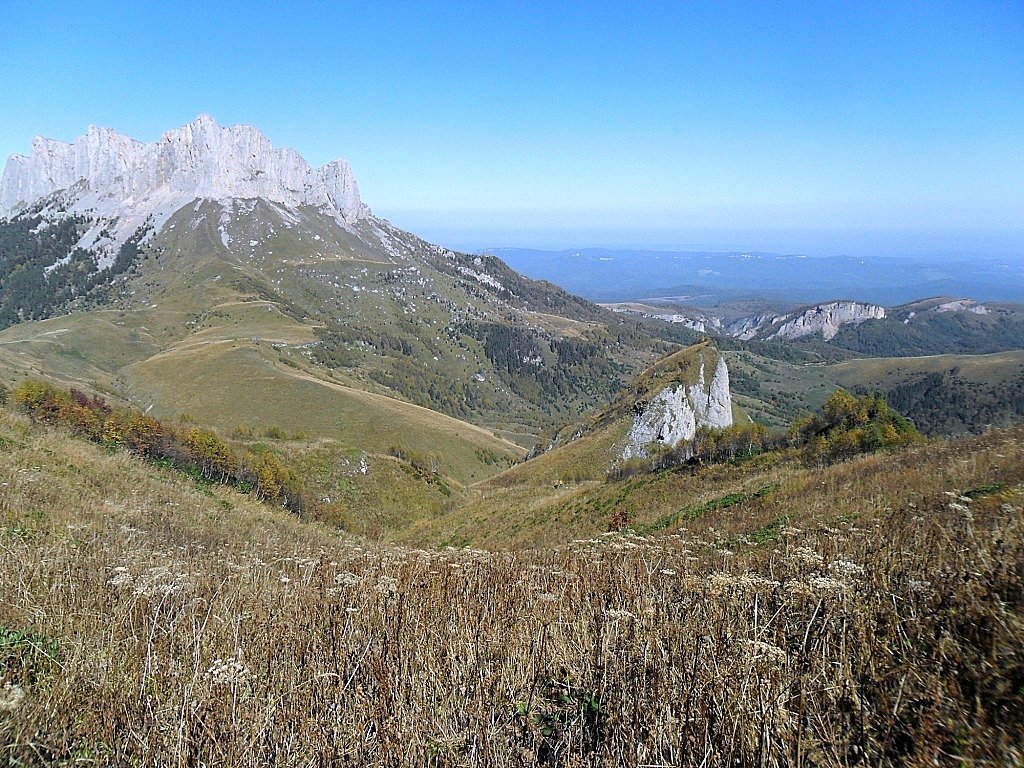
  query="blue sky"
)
[{"x": 880, "y": 126}]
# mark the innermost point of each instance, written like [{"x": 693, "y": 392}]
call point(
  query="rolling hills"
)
[
  {"x": 661, "y": 580},
  {"x": 240, "y": 289}
]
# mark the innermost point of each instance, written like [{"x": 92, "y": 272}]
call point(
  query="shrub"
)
[
  {"x": 196, "y": 450},
  {"x": 848, "y": 425},
  {"x": 40, "y": 400},
  {"x": 211, "y": 455}
]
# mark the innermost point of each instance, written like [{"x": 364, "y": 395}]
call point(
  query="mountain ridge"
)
[
  {"x": 125, "y": 183},
  {"x": 305, "y": 302}
]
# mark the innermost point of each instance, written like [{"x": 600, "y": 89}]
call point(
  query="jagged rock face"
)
[
  {"x": 115, "y": 177},
  {"x": 676, "y": 412},
  {"x": 827, "y": 319},
  {"x": 747, "y": 328}
]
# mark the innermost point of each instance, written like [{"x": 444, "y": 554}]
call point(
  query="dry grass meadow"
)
[{"x": 148, "y": 620}]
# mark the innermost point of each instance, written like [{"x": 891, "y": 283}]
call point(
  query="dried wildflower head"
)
[
  {"x": 227, "y": 671},
  {"x": 825, "y": 584},
  {"x": 619, "y": 614},
  {"x": 846, "y": 569},
  {"x": 765, "y": 651},
  {"x": 346, "y": 579}
]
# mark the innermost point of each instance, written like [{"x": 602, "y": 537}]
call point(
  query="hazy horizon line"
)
[{"x": 810, "y": 241}]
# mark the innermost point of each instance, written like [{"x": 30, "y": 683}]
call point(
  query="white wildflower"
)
[
  {"x": 227, "y": 671},
  {"x": 766, "y": 651},
  {"x": 160, "y": 581},
  {"x": 825, "y": 584},
  {"x": 846, "y": 569},
  {"x": 122, "y": 577},
  {"x": 807, "y": 556},
  {"x": 619, "y": 613}
]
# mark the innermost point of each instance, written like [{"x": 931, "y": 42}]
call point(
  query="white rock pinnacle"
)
[{"x": 674, "y": 414}]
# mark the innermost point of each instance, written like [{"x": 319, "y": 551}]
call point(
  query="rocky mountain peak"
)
[{"x": 126, "y": 182}]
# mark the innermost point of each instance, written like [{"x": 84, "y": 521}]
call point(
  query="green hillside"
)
[
  {"x": 919, "y": 329},
  {"x": 253, "y": 316},
  {"x": 944, "y": 394}
]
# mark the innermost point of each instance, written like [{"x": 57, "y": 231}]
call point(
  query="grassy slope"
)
[
  {"x": 219, "y": 329},
  {"x": 196, "y": 338},
  {"x": 886, "y": 372},
  {"x": 565, "y": 491},
  {"x": 774, "y": 392},
  {"x": 930, "y": 332},
  {"x": 148, "y": 620}
]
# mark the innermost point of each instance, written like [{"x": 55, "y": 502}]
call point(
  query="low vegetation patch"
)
[
  {"x": 697, "y": 511},
  {"x": 193, "y": 450},
  {"x": 25, "y": 655},
  {"x": 850, "y": 425}
]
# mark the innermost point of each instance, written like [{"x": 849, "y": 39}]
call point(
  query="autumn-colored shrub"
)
[
  {"x": 270, "y": 480},
  {"x": 40, "y": 400},
  {"x": 196, "y": 450},
  {"x": 210, "y": 454},
  {"x": 848, "y": 425}
]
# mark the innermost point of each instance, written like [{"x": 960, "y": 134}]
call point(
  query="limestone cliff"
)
[
  {"x": 676, "y": 411},
  {"x": 827, "y": 319},
  {"x": 122, "y": 183}
]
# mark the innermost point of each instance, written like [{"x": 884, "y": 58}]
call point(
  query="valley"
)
[{"x": 265, "y": 454}]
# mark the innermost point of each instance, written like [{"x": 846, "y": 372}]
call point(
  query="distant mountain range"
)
[
  {"x": 704, "y": 279},
  {"x": 938, "y": 325}
]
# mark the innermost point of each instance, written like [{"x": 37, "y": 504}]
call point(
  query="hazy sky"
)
[{"x": 666, "y": 122}]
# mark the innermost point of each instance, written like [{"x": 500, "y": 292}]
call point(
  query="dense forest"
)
[
  {"x": 935, "y": 334},
  {"x": 42, "y": 272},
  {"x": 549, "y": 371},
  {"x": 948, "y": 404}
]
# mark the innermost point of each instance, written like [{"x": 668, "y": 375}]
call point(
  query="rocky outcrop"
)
[
  {"x": 127, "y": 182},
  {"x": 827, "y": 319},
  {"x": 747, "y": 328},
  {"x": 675, "y": 413},
  {"x": 962, "y": 305},
  {"x": 692, "y": 319}
]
